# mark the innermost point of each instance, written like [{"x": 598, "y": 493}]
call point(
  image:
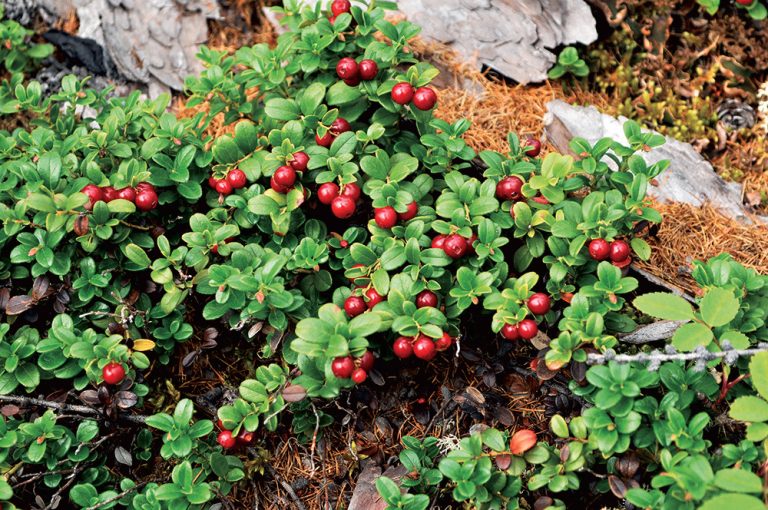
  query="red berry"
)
[
  {"x": 324, "y": 141},
  {"x": 285, "y": 176},
  {"x": 237, "y": 178},
  {"x": 540, "y": 200},
  {"x": 413, "y": 208},
  {"x": 527, "y": 329},
  {"x": 344, "y": 243},
  {"x": 342, "y": 367},
  {"x": 359, "y": 376},
  {"x": 108, "y": 193},
  {"x": 426, "y": 298},
  {"x": 346, "y": 68},
  {"x": 94, "y": 195},
  {"x": 535, "y": 147},
  {"x": 744, "y": 2},
  {"x": 439, "y": 241},
  {"x": 402, "y": 93},
  {"x": 470, "y": 242},
  {"x": 510, "y": 332},
  {"x": 127, "y": 194},
  {"x": 402, "y": 347},
  {"x": 212, "y": 181},
  {"x": 619, "y": 251},
  {"x": 332, "y": 19},
  {"x": 244, "y": 437},
  {"x": 343, "y": 207},
  {"x": 146, "y": 200},
  {"x": 374, "y": 298},
  {"x": 367, "y": 360},
  {"x": 385, "y": 217},
  {"x": 352, "y": 191},
  {"x": 444, "y": 342},
  {"x": 299, "y": 161},
  {"x": 340, "y": 126},
  {"x": 599, "y": 249},
  {"x": 226, "y": 440},
  {"x": 113, "y": 373},
  {"x": 215, "y": 249},
  {"x": 509, "y": 188},
  {"x": 354, "y": 306},
  {"x": 224, "y": 187},
  {"x": 424, "y": 98},
  {"x": 567, "y": 297},
  {"x": 455, "y": 246},
  {"x": 276, "y": 186},
  {"x": 538, "y": 303},
  {"x": 352, "y": 82},
  {"x": 621, "y": 264},
  {"x": 368, "y": 69},
  {"x": 327, "y": 192},
  {"x": 220, "y": 424},
  {"x": 340, "y": 6},
  {"x": 144, "y": 186},
  {"x": 424, "y": 348}
]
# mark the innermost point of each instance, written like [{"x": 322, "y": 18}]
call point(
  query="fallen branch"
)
[
  {"x": 70, "y": 408},
  {"x": 119, "y": 496},
  {"x": 655, "y": 358}
]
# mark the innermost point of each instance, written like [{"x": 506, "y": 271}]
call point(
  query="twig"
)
[
  {"x": 285, "y": 485},
  {"x": 29, "y": 401},
  {"x": 655, "y": 358},
  {"x": 314, "y": 438},
  {"x": 115, "y": 498}
]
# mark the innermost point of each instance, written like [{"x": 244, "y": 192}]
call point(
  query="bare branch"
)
[
  {"x": 655, "y": 358},
  {"x": 70, "y": 408}
]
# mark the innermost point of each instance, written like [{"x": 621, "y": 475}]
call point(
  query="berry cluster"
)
[
  {"x": 454, "y": 245},
  {"x": 421, "y": 346},
  {"x": 386, "y": 217},
  {"x": 338, "y": 126},
  {"x": 343, "y": 201},
  {"x": 355, "y": 305},
  {"x": 235, "y": 179},
  {"x": 538, "y": 304},
  {"x": 143, "y": 195},
  {"x": 351, "y": 72},
  {"x": 617, "y": 251},
  {"x": 345, "y": 367},
  {"x": 424, "y": 98},
  {"x": 228, "y": 440}
]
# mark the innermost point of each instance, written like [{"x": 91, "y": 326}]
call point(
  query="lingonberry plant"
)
[{"x": 337, "y": 227}]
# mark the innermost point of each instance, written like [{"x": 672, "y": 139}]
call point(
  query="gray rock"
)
[
  {"x": 660, "y": 330},
  {"x": 689, "y": 179}
]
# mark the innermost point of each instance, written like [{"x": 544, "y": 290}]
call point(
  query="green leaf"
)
[
  {"x": 41, "y": 202},
  {"x": 641, "y": 248},
  {"x": 388, "y": 489},
  {"x": 758, "y": 367},
  {"x": 738, "y": 480},
  {"x": 136, "y": 255},
  {"x": 121, "y": 206},
  {"x": 691, "y": 335},
  {"x": 226, "y": 151},
  {"x": 365, "y": 324},
  {"x": 735, "y": 501},
  {"x": 340, "y": 94},
  {"x": 494, "y": 440},
  {"x": 664, "y": 306},
  {"x": 558, "y": 426},
  {"x": 719, "y": 307},
  {"x": 282, "y": 109}
]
